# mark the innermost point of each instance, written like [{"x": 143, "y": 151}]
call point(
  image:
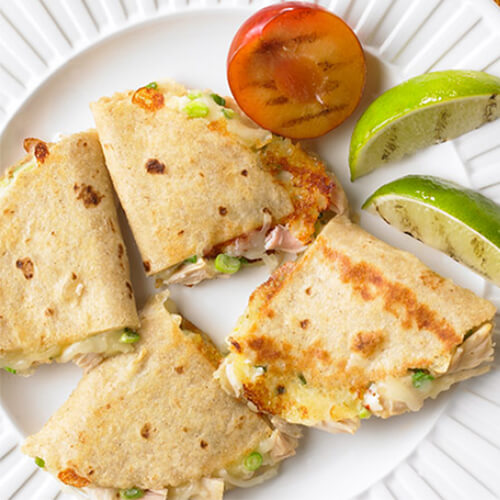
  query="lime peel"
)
[
  {"x": 422, "y": 111},
  {"x": 458, "y": 221}
]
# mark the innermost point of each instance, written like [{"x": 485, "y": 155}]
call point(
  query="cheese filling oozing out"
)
[
  {"x": 270, "y": 451},
  {"x": 385, "y": 398},
  {"x": 105, "y": 344}
]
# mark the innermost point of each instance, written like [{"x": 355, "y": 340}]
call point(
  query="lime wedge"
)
[
  {"x": 458, "y": 221},
  {"x": 425, "y": 110}
]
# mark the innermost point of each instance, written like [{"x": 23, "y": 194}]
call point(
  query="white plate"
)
[{"x": 58, "y": 55}]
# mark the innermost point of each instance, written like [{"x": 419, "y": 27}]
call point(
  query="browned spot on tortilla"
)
[
  {"x": 88, "y": 195},
  {"x": 244, "y": 172},
  {"x": 304, "y": 324},
  {"x": 235, "y": 344},
  {"x": 280, "y": 389},
  {"x": 154, "y": 166},
  {"x": 73, "y": 276},
  {"x": 145, "y": 430},
  {"x": 399, "y": 300},
  {"x": 26, "y": 266},
  {"x": 70, "y": 477},
  {"x": 147, "y": 265},
  {"x": 130, "y": 290},
  {"x": 203, "y": 444},
  {"x": 179, "y": 369},
  {"x": 366, "y": 343},
  {"x": 36, "y": 147},
  {"x": 185, "y": 429},
  {"x": 148, "y": 99},
  {"x": 218, "y": 126},
  {"x": 111, "y": 225},
  {"x": 308, "y": 290},
  {"x": 223, "y": 210},
  {"x": 432, "y": 280},
  {"x": 181, "y": 232},
  {"x": 120, "y": 250},
  {"x": 265, "y": 347},
  {"x": 49, "y": 311}
]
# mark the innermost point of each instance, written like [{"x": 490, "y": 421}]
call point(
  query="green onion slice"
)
[
  {"x": 365, "y": 413},
  {"x": 419, "y": 377},
  {"x": 10, "y": 370},
  {"x": 192, "y": 259},
  {"x": 40, "y": 462},
  {"x": 253, "y": 461},
  {"x": 196, "y": 109},
  {"x": 227, "y": 264},
  {"x": 152, "y": 85},
  {"x": 194, "y": 95},
  {"x": 218, "y": 99},
  {"x": 129, "y": 336},
  {"x": 228, "y": 113},
  {"x": 302, "y": 379}
]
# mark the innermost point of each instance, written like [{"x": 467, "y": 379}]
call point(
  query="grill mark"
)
[
  {"x": 313, "y": 116},
  {"x": 399, "y": 300},
  {"x": 276, "y": 101},
  {"x": 490, "y": 108}
]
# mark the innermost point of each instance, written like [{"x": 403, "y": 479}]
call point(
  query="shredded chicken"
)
[
  {"x": 281, "y": 239},
  {"x": 192, "y": 273},
  {"x": 398, "y": 395},
  {"x": 88, "y": 361},
  {"x": 339, "y": 203},
  {"x": 476, "y": 349},
  {"x": 349, "y": 425},
  {"x": 251, "y": 245},
  {"x": 155, "y": 495}
]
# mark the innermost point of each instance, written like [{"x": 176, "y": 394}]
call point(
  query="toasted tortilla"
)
[
  {"x": 190, "y": 185},
  {"x": 64, "y": 271},
  {"x": 353, "y": 312},
  {"x": 151, "y": 419}
]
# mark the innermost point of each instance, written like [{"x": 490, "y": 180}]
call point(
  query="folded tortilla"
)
[
  {"x": 155, "y": 419},
  {"x": 194, "y": 186},
  {"x": 352, "y": 328},
  {"x": 65, "y": 288}
]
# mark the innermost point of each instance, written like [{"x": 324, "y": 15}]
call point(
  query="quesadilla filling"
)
[
  {"x": 254, "y": 468},
  {"x": 384, "y": 398},
  {"x": 13, "y": 173},
  {"x": 85, "y": 353},
  {"x": 312, "y": 191}
]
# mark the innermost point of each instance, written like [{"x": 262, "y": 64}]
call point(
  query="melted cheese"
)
[
  {"x": 107, "y": 343},
  {"x": 245, "y": 131},
  {"x": 13, "y": 174}
]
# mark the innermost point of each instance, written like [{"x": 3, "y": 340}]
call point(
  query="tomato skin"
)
[
  {"x": 310, "y": 58},
  {"x": 252, "y": 28}
]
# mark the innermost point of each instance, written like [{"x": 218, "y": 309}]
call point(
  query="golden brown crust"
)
[
  {"x": 152, "y": 418},
  {"x": 159, "y": 159},
  {"x": 351, "y": 311}
]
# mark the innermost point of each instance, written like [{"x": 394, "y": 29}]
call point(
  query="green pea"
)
[
  {"x": 132, "y": 493},
  {"x": 227, "y": 264},
  {"x": 129, "y": 336}
]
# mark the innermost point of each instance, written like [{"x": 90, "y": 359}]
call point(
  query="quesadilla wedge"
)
[
  {"x": 355, "y": 327},
  {"x": 65, "y": 291},
  {"x": 156, "y": 421},
  {"x": 205, "y": 189}
]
